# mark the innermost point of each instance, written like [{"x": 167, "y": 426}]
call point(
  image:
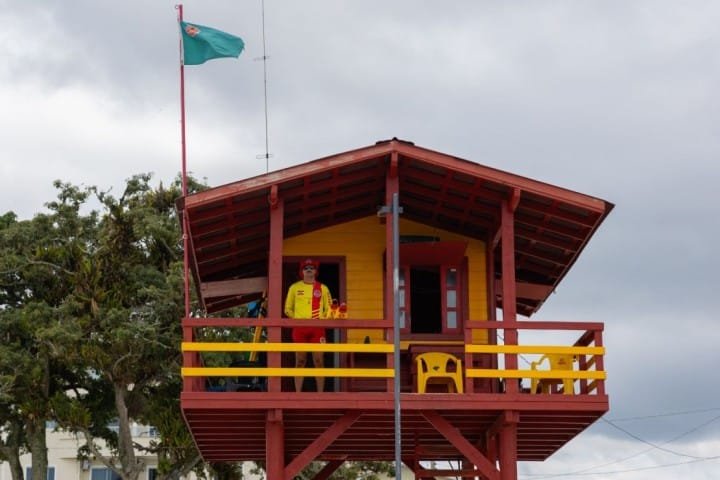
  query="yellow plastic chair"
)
[
  {"x": 557, "y": 361},
  {"x": 433, "y": 367}
]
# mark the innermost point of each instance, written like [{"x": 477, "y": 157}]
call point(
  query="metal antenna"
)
[{"x": 264, "y": 59}]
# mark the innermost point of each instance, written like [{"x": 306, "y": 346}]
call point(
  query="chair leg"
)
[{"x": 458, "y": 385}]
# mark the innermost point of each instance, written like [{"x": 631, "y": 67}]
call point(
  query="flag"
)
[{"x": 201, "y": 44}]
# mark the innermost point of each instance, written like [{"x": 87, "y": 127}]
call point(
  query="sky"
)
[{"x": 615, "y": 99}]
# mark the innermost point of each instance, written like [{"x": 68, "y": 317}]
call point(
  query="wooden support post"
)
[
  {"x": 468, "y": 360},
  {"x": 191, "y": 359},
  {"x": 491, "y": 450},
  {"x": 274, "y": 444},
  {"x": 508, "y": 446},
  {"x": 275, "y": 293},
  {"x": 392, "y": 186},
  {"x": 508, "y": 283},
  {"x": 599, "y": 361}
]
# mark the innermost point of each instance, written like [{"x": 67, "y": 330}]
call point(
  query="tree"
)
[
  {"x": 346, "y": 471},
  {"x": 127, "y": 304},
  {"x": 89, "y": 330},
  {"x": 89, "y": 310},
  {"x": 37, "y": 260}
]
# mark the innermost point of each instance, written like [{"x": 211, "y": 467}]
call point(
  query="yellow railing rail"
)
[
  {"x": 539, "y": 349},
  {"x": 287, "y": 372},
  {"x": 498, "y": 373},
  {"x": 286, "y": 347}
]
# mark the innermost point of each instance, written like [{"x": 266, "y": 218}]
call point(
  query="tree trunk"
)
[
  {"x": 180, "y": 471},
  {"x": 131, "y": 467},
  {"x": 10, "y": 449},
  {"x": 37, "y": 443}
]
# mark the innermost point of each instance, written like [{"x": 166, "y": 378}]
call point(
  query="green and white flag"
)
[{"x": 201, "y": 43}]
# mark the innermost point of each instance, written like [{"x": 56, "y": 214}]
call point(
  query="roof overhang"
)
[{"x": 229, "y": 224}]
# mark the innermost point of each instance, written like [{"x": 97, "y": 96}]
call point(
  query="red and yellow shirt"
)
[{"x": 307, "y": 300}]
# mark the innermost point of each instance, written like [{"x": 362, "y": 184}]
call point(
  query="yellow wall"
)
[{"x": 362, "y": 243}]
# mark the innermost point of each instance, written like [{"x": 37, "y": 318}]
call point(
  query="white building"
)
[{"x": 63, "y": 463}]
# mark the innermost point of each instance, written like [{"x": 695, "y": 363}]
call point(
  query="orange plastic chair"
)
[
  {"x": 433, "y": 367},
  {"x": 557, "y": 361}
]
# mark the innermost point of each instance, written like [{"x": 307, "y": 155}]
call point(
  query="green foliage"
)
[
  {"x": 90, "y": 305},
  {"x": 89, "y": 318},
  {"x": 38, "y": 259},
  {"x": 347, "y": 471}
]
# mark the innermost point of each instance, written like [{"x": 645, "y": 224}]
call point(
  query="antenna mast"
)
[{"x": 264, "y": 59}]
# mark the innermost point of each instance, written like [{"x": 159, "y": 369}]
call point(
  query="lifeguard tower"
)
[{"x": 473, "y": 240}]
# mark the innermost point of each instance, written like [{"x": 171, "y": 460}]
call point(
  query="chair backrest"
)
[
  {"x": 557, "y": 361},
  {"x": 435, "y": 362}
]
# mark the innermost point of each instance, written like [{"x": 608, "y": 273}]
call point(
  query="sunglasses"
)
[{"x": 307, "y": 269}]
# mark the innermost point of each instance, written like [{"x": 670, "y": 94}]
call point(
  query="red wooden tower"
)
[{"x": 473, "y": 241}]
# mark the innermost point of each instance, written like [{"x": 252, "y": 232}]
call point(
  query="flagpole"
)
[{"x": 185, "y": 226}]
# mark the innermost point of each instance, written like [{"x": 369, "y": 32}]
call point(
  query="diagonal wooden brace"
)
[
  {"x": 328, "y": 469},
  {"x": 453, "y": 435},
  {"x": 320, "y": 444}
]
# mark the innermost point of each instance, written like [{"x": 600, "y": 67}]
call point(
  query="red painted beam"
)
[
  {"x": 508, "y": 445},
  {"x": 328, "y": 469},
  {"x": 275, "y": 294},
  {"x": 320, "y": 444},
  {"x": 275, "y": 444},
  {"x": 508, "y": 292},
  {"x": 454, "y": 436},
  {"x": 392, "y": 187}
]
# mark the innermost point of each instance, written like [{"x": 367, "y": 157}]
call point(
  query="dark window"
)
[
  {"x": 425, "y": 300},
  {"x": 50, "y": 473},
  {"x": 104, "y": 474}
]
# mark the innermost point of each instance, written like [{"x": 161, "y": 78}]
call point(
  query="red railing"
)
[{"x": 480, "y": 360}]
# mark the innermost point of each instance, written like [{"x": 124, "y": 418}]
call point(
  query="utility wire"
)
[
  {"x": 659, "y": 447},
  {"x": 637, "y": 469},
  {"x": 585, "y": 471},
  {"x": 671, "y": 414},
  {"x": 678, "y": 437}
]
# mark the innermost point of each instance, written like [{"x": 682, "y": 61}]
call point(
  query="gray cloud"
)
[{"x": 609, "y": 98}]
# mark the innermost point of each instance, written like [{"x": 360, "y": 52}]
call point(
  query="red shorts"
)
[{"x": 308, "y": 334}]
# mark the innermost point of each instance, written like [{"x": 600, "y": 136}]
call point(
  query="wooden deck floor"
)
[{"x": 231, "y": 426}]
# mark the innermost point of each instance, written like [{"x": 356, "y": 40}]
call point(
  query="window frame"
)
[{"x": 460, "y": 289}]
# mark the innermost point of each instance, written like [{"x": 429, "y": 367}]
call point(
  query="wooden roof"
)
[{"x": 229, "y": 224}]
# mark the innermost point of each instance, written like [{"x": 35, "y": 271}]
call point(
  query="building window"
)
[
  {"x": 114, "y": 426},
  {"x": 430, "y": 299},
  {"x": 451, "y": 306},
  {"x": 152, "y": 473},
  {"x": 50, "y": 473},
  {"x": 104, "y": 474}
]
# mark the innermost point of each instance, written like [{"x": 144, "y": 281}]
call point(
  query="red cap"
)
[{"x": 308, "y": 262}]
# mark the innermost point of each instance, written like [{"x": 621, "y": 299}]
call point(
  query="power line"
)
[
  {"x": 671, "y": 414},
  {"x": 659, "y": 447},
  {"x": 585, "y": 471},
  {"x": 678, "y": 437},
  {"x": 637, "y": 469}
]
